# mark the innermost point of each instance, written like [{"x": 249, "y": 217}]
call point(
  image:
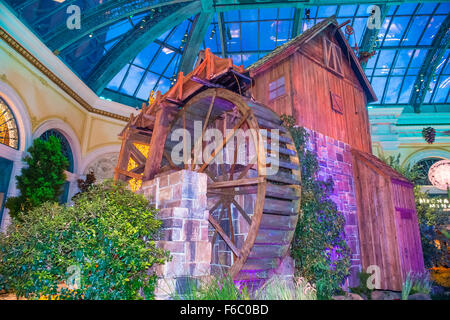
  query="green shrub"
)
[
  {"x": 319, "y": 248},
  {"x": 108, "y": 235},
  {"x": 42, "y": 179}
]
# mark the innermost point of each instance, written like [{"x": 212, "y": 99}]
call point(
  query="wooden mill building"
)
[{"x": 317, "y": 79}]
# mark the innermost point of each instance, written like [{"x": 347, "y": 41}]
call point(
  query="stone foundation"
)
[
  {"x": 181, "y": 198},
  {"x": 335, "y": 161}
]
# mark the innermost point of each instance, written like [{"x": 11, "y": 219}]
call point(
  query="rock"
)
[
  {"x": 353, "y": 296},
  {"x": 419, "y": 296},
  {"x": 385, "y": 295},
  {"x": 437, "y": 290},
  {"x": 348, "y": 296}
]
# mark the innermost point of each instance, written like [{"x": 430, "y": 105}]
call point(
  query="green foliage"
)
[
  {"x": 362, "y": 288},
  {"x": 213, "y": 288},
  {"x": 319, "y": 247},
  {"x": 41, "y": 180},
  {"x": 418, "y": 283},
  {"x": 430, "y": 218},
  {"x": 406, "y": 287},
  {"x": 108, "y": 234},
  {"x": 421, "y": 284},
  {"x": 278, "y": 288},
  {"x": 412, "y": 173}
]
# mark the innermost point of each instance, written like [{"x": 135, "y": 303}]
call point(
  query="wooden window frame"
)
[
  {"x": 333, "y": 57},
  {"x": 276, "y": 89}
]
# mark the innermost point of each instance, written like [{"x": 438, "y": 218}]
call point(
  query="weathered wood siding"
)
[
  {"x": 308, "y": 84},
  {"x": 387, "y": 221},
  {"x": 407, "y": 226}
]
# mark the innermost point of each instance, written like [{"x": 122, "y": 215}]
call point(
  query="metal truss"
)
[
  {"x": 136, "y": 40},
  {"x": 194, "y": 41},
  {"x": 440, "y": 44},
  {"x": 101, "y": 16}
]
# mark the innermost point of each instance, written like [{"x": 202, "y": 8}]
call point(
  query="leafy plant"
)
[
  {"x": 421, "y": 284},
  {"x": 107, "y": 235},
  {"x": 319, "y": 247},
  {"x": 278, "y": 288},
  {"x": 213, "y": 288},
  {"x": 42, "y": 179},
  {"x": 362, "y": 288},
  {"x": 406, "y": 287}
]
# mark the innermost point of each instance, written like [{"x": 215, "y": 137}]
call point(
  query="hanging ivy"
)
[{"x": 319, "y": 248}]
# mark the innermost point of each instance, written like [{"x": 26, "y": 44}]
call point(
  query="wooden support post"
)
[{"x": 156, "y": 150}]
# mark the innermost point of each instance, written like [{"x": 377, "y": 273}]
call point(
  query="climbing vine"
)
[{"x": 319, "y": 248}]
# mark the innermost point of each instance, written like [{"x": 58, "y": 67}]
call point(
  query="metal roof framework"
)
[{"x": 128, "y": 48}]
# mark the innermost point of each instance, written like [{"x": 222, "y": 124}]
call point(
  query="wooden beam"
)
[
  {"x": 236, "y": 183},
  {"x": 156, "y": 150}
]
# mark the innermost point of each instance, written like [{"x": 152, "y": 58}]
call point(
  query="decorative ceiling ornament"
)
[
  {"x": 429, "y": 134},
  {"x": 439, "y": 174}
]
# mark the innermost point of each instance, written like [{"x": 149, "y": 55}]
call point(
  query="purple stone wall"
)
[{"x": 335, "y": 161}]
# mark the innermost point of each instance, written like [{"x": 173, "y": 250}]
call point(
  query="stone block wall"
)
[
  {"x": 335, "y": 161},
  {"x": 181, "y": 198}
]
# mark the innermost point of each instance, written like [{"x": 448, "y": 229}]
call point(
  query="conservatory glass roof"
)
[{"x": 129, "y": 48}]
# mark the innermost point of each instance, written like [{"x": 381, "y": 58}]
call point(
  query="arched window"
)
[
  {"x": 66, "y": 151},
  {"x": 8, "y": 127},
  {"x": 65, "y": 146},
  {"x": 424, "y": 166}
]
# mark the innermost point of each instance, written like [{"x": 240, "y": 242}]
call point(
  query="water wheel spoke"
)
[
  {"x": 227, "y": 138},
  {"x": 224, "y": 236},
  {"x": 242, "y": 211},
  {"x": 247, "y": 167},
  {"x": 205, "y": 125},
  {"x": 215, "y": 206},
  {"x": 230, "y": 224},
  {"x": 169, "y": 159}
]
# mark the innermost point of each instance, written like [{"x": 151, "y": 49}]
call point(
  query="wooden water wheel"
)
[{"x": 253, "y": 203}]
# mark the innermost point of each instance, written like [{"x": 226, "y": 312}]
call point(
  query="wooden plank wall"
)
[
  {"x": 378, "y": 234},
  {"x": 408, "y": 234},
  {"x": 307, "y": 98}
]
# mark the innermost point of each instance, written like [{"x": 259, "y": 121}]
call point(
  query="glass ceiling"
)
[{"x": 402, "y": 44}]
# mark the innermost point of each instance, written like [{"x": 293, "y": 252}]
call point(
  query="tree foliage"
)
[
  {"x": 108, "y": 235},
  {"x": 41, "y": 180},
  {"x": 319, "y": 248}
]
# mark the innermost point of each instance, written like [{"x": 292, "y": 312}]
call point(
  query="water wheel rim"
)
[{"x": 251, "y": 120}]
